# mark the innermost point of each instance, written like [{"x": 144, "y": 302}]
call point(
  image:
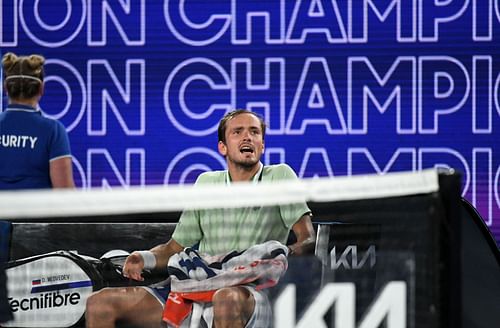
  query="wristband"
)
[{"x": 149, "y": 259}]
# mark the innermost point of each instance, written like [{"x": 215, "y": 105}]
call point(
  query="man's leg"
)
[
  {"x": 133, "y": 306},
  {"x": 233, "y": 307}
]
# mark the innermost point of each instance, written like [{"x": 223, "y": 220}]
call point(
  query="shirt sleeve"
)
[
  {"x": 188, "y": 230},
  {"x": 59, "y": 146}
]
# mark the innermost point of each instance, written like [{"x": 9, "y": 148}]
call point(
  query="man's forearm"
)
[
  {"x": 163, "y": 252},
  {"x": 302, "y": 247},
  {"x": 304, "y": 232}
]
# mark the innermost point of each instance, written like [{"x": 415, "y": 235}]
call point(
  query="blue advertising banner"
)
[{"x": 346, "y": 87}]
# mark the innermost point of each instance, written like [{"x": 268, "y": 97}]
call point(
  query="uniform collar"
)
[
  {"x": 22, "y": 108},
  {"x": 256, "y": 178}
]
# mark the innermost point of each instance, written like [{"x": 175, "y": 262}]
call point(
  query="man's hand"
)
[{"x": 134, "y": 264}]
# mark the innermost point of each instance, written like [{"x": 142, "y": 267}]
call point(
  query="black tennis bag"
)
[{"x": 51, "y": 290}]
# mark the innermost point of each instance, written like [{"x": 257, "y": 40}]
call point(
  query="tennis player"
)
[{"x": 241, "y": 141}]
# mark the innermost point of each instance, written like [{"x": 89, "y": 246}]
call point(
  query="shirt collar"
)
[
  {"x": 256, "y": 178},
  {"x": 22, "y": 108}
]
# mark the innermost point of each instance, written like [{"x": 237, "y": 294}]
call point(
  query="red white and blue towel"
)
[{"x": 196, "y": 278}]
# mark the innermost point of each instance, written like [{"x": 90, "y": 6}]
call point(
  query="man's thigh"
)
[{"x": 131, "y": 306}]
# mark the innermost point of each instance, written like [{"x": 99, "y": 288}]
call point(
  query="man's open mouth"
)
[{"x": 246, "y": 149}]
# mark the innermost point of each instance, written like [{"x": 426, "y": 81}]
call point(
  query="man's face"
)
[{"x": 244, "y": 144}]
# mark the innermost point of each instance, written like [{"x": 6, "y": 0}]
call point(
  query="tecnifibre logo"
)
[{"x": 44, "y": 301}]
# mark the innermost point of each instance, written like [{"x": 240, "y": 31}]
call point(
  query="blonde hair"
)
[{"x": 23, "y": 75}]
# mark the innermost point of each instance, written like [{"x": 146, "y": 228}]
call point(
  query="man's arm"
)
[
  {"x": 306, "y": 239},
  {"x": 61, "y": 173},
  {"x": 164, "y": 251},
  {"x": 134, "y": 264}
]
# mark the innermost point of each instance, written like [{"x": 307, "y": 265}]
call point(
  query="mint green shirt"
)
[{"x": 223, "y": 230}]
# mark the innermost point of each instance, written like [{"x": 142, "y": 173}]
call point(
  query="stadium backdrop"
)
[{"x": 346, "y": 87}]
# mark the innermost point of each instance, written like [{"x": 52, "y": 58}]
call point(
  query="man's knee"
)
[
  {"x": 231, "y": 295},
  {"x": 100, "y": 303},
  {"x": 233, "y": 302}
]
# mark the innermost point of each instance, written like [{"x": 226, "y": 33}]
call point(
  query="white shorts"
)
[{"x": 262, "y": 314}]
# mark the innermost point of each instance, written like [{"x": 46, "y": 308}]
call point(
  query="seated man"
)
[{"x": 241, "y": 141}]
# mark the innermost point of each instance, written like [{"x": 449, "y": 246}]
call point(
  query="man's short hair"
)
[{"x": 223, "y": 123}]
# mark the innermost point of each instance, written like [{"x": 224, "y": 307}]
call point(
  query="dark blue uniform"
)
[{"x": 28, "y": 142}]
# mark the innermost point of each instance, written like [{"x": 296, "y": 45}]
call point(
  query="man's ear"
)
[{"x": 222, "y": 148}]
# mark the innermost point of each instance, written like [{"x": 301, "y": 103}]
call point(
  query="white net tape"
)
[{"x": 152, "y": 199}]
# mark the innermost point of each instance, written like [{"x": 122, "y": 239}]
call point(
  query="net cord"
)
[{"x": 171, "y": 198}]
